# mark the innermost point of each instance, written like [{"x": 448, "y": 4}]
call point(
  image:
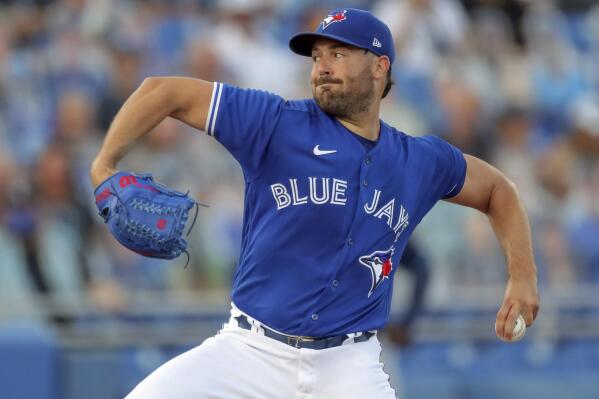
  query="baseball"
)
[{"x": 518, "y": 331}]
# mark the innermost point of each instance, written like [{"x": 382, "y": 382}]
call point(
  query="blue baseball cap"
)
[{"x": 351, "y": 26}]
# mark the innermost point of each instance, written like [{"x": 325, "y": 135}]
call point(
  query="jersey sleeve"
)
[
  {"x": 449, "y": 166},
  {"x": 243, "y": 121}
]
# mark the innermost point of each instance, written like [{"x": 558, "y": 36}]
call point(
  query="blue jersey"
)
[{"x": 326, "y": 219}]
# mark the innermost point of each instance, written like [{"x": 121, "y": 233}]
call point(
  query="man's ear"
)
[{"x": 381, "y": 67}]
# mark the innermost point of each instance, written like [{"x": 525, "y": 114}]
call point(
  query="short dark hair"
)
[{"x": 389, "y": 84}]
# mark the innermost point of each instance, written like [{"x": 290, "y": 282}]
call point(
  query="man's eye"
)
[
  {"x": 338, "y": 55},
  {"x": 315, "y": 57}
]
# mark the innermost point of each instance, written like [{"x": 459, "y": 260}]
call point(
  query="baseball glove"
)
[{"x": 145, "y": 216}]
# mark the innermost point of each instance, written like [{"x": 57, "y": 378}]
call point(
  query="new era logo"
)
[{"x": 376, "y": 43}]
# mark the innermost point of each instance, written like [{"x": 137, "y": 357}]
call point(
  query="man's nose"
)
[{"x": 323, "y": 67}]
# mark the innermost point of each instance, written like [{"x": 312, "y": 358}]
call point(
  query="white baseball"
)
[{"x": 518, "y": 331}]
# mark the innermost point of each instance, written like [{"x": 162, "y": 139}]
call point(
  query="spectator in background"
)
[
  {"x": 76, "y": 132},
  {"x": 512, "y": 154},
  {"x": 557, "y": 77},
  {"x": 57, "y": 253},
  {"x": 585, "y": 120},
  {"x": 202, "y": 59},
  {"x": 496, "y": 68},
  {"x": 17, "y": 289},
  {"x": 27, "y": 99},
  {"x": 591, "y": 27},
  {"x": 512, "y": 10},
  {"x": 124, "y": 77},
  {"x": 4, "y": 56},
  {"x": 44, "y": 232},
  {"x": 583, "y": 231},
  {"x": 89, "y": 18},
  {"x": 256, "y": 59},
  {"x": 425, "y": 32},
  {"x": 460, "y": 106},
  {"x": 555, "y": 168}
]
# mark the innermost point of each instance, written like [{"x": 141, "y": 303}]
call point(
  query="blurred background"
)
[{"x": 513, "y": 82}]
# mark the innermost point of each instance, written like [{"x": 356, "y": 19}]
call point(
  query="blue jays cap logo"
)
[
  {"x": 335, "y": 16},
  {"x": 380, "y": 266},
  {"x": 358, "y": 28}
]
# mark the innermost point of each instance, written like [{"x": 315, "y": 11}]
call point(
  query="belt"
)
[{"x": 308, "y": 343}]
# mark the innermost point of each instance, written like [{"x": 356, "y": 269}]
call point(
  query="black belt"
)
[{"x": 299, "y": 342}]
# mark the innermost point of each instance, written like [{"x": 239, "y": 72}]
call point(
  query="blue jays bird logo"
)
[
  {"x": 336, "y": 16},
  {"x": 380, "y": 266}
]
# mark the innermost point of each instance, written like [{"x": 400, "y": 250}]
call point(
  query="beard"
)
[{"x": 355, "y": 99}]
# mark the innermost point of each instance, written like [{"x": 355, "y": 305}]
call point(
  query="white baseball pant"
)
[{"x": 242, "y": 364}]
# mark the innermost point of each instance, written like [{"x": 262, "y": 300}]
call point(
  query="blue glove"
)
[{"x": 143, "y": 215}]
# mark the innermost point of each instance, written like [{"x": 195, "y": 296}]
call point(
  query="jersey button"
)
[
  {"x": 314, "y": 316},
  {"x": 335, "y": 283},
  {"x": 350, "y": 241},
  {"x": 368, "y": 160},
  {"x": 365, "y": 183}
]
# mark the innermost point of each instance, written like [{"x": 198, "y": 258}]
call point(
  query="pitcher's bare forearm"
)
[
  {"x": 157, "y": 98},
  {"x": 510, "y": 223}
]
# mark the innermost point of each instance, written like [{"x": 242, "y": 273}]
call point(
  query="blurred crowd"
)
[{"x": 513, "y": 82}]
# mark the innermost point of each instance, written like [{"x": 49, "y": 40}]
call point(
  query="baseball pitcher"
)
[{"x": 332, "y": 194}]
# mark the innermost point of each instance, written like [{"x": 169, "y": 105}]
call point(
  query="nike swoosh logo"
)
[{"x": 318, "y": 151}]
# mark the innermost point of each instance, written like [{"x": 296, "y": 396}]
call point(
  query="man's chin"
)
[
  {"x": 323, "y": 92},
  {"x": 330, "y": 108},
  {"x": 325, "y": 96}
]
